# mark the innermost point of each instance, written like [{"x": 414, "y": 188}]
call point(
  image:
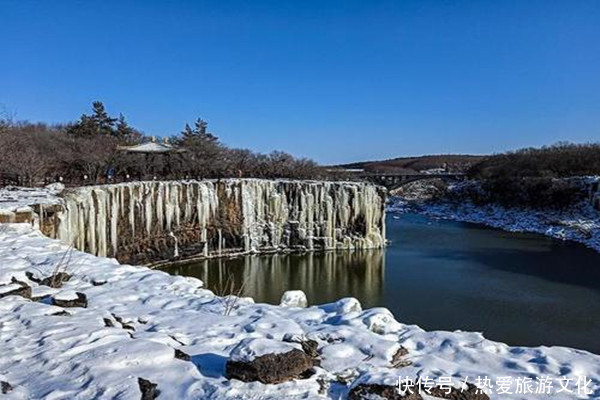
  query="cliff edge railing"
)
[{"x": 143, "y": 222}]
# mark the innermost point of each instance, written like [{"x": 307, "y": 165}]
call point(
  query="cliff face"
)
[{"x": 140, "y": 222}]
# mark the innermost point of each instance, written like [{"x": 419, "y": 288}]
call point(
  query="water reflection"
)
[
  {"x": 516, "y": 288},
  {"x": 322, "y": 276}
]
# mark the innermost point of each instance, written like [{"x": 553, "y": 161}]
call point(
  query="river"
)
[{"x": 521, "y": 289}]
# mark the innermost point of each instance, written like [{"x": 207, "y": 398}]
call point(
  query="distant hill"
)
[{"x": 450, "y": 162}]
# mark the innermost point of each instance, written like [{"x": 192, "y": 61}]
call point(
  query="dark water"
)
[{"x": 517, "y": 288}]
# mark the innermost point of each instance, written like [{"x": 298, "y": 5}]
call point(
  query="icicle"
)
[
  {"x": 176, "y": 247},
  {"x": 274, "y": 214}
]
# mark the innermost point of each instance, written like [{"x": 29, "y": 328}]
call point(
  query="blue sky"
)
[{"x": 335, "y": 81}]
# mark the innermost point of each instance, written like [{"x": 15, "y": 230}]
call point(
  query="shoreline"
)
[
  {"x": 581, "y": 224},
  {"x": 136, "y": 319}
]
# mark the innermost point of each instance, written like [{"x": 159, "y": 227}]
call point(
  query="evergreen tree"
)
[
  {"x": 123, "y": 130},
  {"x": 187, "y": 132},
  {"x": 200, "y": 131},
  {"x": 97, "y": 124}
]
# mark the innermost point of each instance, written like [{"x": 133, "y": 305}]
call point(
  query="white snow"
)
[
  {"x": 49, "y": 355},
  {"x": 14, "y": 198},
  {"x": 580, "y": 223},
  {"x": 249, "y": 349},
  {"x": 294, "y": 298}
]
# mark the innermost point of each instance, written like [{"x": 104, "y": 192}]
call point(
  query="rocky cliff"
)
[{"x": 140, "y": 222}]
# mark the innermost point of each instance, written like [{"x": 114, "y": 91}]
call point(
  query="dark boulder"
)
[
  {"x": 398, "y": 360},
  {"x": 148, "y": 389},
  {"x": 80, "y": 301},
  {"x": 365, "y": 391},
  {"x": 18, "y": 289},
  {"x": 182, "y": 356},
  {"x": 5, "y": 387},
  {"x": 56, "y": 280},
  {"x": 271, "y": 368}
]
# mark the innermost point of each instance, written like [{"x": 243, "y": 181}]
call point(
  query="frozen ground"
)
[
  {"x": 50, "y": 354},
  {"x": 137, "y": 317},
  {"x": 14, "y": 198}
]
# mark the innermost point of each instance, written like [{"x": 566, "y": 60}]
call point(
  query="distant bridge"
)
[{"x": 394, "y": 180}]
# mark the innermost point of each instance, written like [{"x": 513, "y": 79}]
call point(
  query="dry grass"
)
[{"x": 229, "y": 293}]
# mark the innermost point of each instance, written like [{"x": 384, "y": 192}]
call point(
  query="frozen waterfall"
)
[{"x": 148, "y": 221}]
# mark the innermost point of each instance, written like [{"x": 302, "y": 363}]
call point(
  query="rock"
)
[
  {"x": 397, "y": 361},
  {"x": 347, "y": 376},
  {"x": 98, "y": 282},
  {"x": 5, "y": 387},
  {"x": 310, "y": 347},
  {"x": 24, "y": 216},
  {"x": 127, "y": 326},
  {"x": 148, "y": 389},
  {"x": 16, "y": 288},
  {"x": 380, "y": 320},
  {"x": 294, "y": 298},
  {"x": 53, "y": 281},
  {"x": 367, "y": 391},
  {"x": 108, "y": 323},
  {"x": 56, "y": 280},
  {"x": 267, "y": 361},
  {"x": 80, "y": 301},
  {"x": 182, "y": 356},
  {"x": 343, "y": 306},
  {"x": 471, "y": 393}
]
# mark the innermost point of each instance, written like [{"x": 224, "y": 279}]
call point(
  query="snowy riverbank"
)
[
  {"x": 580, "y": 224},
  {"x": 136, "y": 318}
]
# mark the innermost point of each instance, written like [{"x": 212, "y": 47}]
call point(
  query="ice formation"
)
[{"x": 155, "y": 220}]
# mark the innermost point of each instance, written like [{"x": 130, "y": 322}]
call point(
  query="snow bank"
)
[
  {"x": 294, "y": 298},
  {"x": 251, "y": 348},
  {"x": 580, "y": 223},
  {"x": 14, "y": 198},
  {"x": 137, "y": 317}
]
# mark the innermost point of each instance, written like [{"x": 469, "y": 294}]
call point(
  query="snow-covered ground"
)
[
  {"x": 13, "y": 198},
  {"x": 50, "y": 354},
  {"x": 580, "y": 223},
  {"x": 136, "y": 317}
]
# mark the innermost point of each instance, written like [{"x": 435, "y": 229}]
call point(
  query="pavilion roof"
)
[{"x": 150, "y": 147}]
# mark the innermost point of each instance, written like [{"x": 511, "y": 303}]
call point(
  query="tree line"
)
[
  {"x": 535, "y": 177},
  {"x": 91, "y": 150}
]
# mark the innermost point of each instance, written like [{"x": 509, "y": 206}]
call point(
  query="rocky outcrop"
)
[
  {"x": 271, "y": 368},
  {"x": 148, "y": 389},
  {"x": 77, "y": 299},
  {"x": 141, "y": 222},
  {"x": 270, "y": 361},
  {"x": 15, "y": 288}
]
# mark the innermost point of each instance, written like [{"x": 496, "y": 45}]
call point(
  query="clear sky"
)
[{"x": 333, "y": 80}]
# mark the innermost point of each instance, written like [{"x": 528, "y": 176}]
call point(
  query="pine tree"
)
[
  {"x": 200, "y": 127},
  {"x": 97, "y": 124},
  {"x": 123, "y": 130},
  {"x": 187, "y": 132},
  {"x": 104, "y": 123}
]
